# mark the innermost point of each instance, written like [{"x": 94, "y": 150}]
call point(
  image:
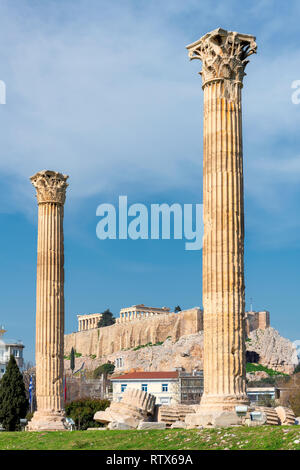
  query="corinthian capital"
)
[
  {"x": 223, "y": 54},
  {"x": 50, "y": 186}
]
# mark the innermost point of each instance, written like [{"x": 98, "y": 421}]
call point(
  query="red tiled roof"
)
[{"x": 148, "y": 375}]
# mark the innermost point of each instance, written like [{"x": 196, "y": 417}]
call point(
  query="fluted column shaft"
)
[
  {"x": 50, "y": 188},
  {"x": 50, "y": 308},
  {"x": 224, "y": 58},
  {"x": 223, "y": 243}
]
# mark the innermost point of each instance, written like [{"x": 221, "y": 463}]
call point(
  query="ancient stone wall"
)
[
  {"x": 108, "y": 340},
  {"x": 257, "y": 320}
]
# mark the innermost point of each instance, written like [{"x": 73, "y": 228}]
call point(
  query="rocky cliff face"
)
[
  {"x": 274, "y": 351},
  {"x": 269, "y": 348},
  {"x": 121, "y": 336},
  {"x": 187, "y": 352}
]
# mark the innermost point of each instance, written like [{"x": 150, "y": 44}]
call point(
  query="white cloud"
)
[{"x": 107, "y": 95}]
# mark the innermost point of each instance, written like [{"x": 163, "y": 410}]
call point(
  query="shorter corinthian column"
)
[
  {"x": 224, "y": 55},
  {"x": 51, "y": 192}
]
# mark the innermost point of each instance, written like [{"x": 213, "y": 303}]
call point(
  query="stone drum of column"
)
[
  {"x": 51, "y": 192},
  {"x": 224, "y": 57}
]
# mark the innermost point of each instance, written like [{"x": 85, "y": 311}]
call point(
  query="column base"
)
[
  {"x": 47, "y": 421},
  {"x": 222, "y": 402},
  {"x": 217, "y": 410}
]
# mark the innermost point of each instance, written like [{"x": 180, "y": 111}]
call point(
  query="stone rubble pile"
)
[
  {"x": 171, "y": 414},
  {"x": 137, "y": 410},
  {"x": 253, "y": 416},
  {"x": 135, "y": 407}
]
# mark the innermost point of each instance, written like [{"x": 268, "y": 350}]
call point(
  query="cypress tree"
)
[
  {"x": 72, "y": 360},
  {"x": 13, "y": 401},
  {"x": 107, "y": 319}
]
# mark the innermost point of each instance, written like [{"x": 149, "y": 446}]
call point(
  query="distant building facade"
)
[
  {"x": 169, "y": 387},
  {"x": 9, "y": 347},
  {"x": 191, "y": 387},
  {"x": 259, "y": 394},
  {"x": 163, "y": 385}
]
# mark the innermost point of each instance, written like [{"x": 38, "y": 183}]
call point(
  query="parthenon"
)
[{"x": 137, "y": 312}]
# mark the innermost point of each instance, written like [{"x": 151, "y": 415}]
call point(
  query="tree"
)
[
  {"x": 291, "y": 395},
  {"x": 13, "y": 401},
  {"x": 105, "y": 369},
  {"x": 72, "y": 360},
  {"x": 107, "y": 319},
  {"x": 297, "y": 369},
  {"x": 82, "y": 412},
  {"x": 177, "y": 309}
]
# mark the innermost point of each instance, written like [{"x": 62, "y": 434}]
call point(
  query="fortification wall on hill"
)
[{"x": 110, "y": 339}]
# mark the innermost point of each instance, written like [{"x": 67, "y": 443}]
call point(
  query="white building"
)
[
  {"x": 257, "y": 394},
  {"x": 9, "y": 347},
  {"x": 163, "y": 385}
]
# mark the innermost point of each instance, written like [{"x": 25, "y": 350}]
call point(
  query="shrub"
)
[
  {"x": 159, "y": 343},
  {"x": 82, "y": 412},
  {"x": 250, "y": 367}
]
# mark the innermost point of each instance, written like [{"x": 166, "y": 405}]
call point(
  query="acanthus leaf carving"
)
[
  {"x": 223, "y": 54},
  {"x": 50, "y": 186}
]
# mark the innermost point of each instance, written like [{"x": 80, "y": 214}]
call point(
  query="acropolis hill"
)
[
  {"x": 136, "y": 332},
  {"x": 182, "y": 337}
]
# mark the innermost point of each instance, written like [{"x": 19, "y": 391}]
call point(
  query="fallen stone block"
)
[
  {"x": 169, "y": 414},
  {"x": 195, "y": 420},
  {"x": 178, "y": 425},
  {"x": 257, "y": 418},
  {"x": 134, "y": 407},
  {"x": 272, "y": 418},
  {"x": 96, "y": 429},
  {"x": 119, "y": 426},
  {"x": 286, "y": 415},
  {"x": 227, "y": 418},
  {"x": 143, "y": 401},
  {"x": 213, "y": 419},
  {"x": 110, "y": 416},
  {"x": 151, "y": 425}
]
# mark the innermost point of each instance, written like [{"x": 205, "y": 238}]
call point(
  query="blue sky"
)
[{"x": 104, "y": 92}]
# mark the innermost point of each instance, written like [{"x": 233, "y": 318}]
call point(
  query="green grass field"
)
[{"x": 234, "y": 438}]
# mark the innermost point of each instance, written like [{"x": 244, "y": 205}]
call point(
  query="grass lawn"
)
[{"x": 234, "y": 438}]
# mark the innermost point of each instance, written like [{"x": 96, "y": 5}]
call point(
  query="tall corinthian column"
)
[
  {"x": 224, "y": 58},
  {"x": 51, "y": 192}
]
